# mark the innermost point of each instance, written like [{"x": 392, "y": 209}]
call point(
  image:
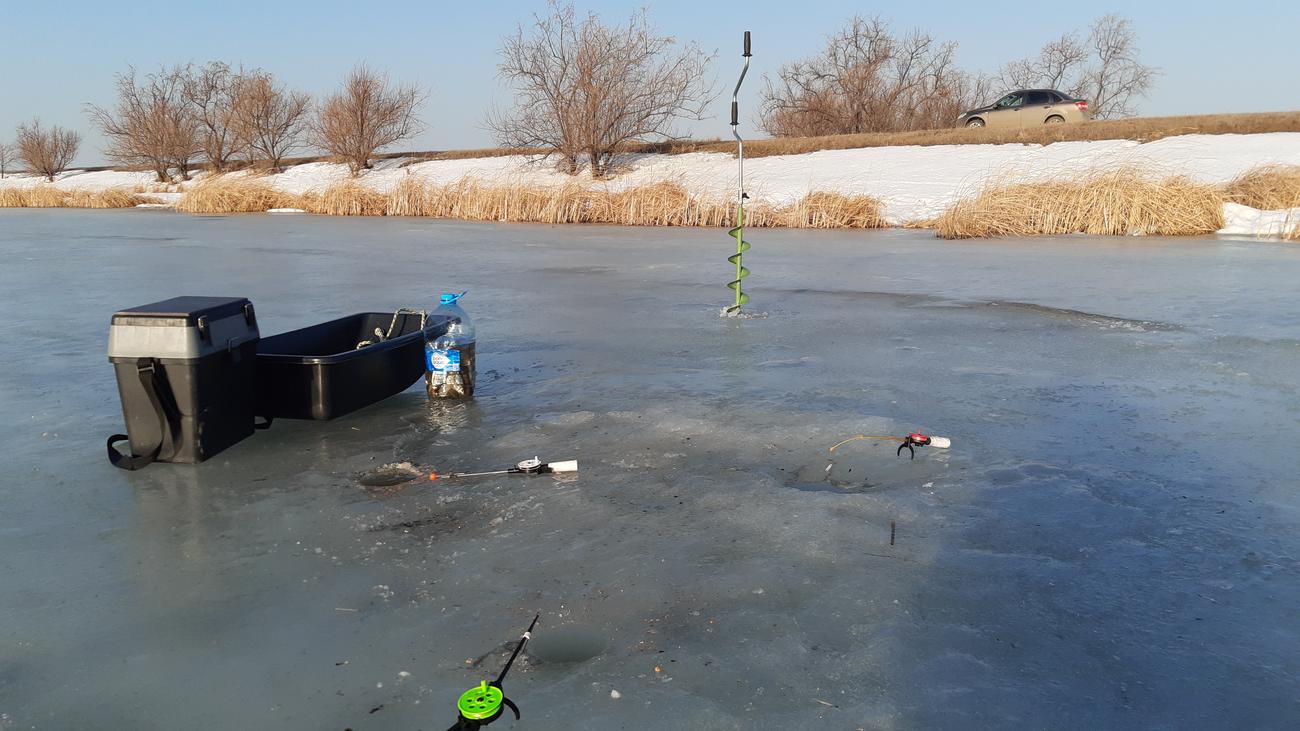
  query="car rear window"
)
[{"x": 1038, "y": 97}]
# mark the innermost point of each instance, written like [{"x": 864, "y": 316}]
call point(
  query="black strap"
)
[{"x": 147, "y": 370}]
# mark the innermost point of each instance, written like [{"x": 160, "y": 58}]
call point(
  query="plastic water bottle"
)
[{"x": 449, "y": 359}]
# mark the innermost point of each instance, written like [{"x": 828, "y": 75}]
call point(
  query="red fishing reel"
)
[{"x": 913, "y": 440}]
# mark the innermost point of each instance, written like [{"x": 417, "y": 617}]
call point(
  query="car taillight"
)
[{"x": 1082, "y": 106}]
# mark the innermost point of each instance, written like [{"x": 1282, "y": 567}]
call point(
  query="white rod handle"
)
[
  {"x": 940, "y": 442},
  {"x": 569, "y": 466}
]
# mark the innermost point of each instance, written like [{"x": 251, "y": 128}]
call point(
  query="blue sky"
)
[{"x": 55, "y": 57}]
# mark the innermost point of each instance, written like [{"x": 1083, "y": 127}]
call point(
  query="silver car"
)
[{"x": 1028, "y": 108}]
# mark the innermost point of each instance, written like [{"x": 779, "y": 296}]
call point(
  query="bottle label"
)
[{"x": 442, "y": 361}]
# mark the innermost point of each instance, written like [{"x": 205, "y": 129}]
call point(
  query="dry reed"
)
[
  {"x": 834, "y": 210},
  {"x": 13, "y": 198},
  {"x": 348, "y": 198},
  {"x": 48, "y": 196},
  {"x": 1267, "y": 187},
  {"x": 233, "y": 194},
  {"x": 109, "y": 198},
  {"x": 1117, "y": 202},
  {"x": 660, "y": 204}
]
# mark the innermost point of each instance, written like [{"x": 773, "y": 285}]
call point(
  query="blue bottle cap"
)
[{"x": 449, "y": 299}]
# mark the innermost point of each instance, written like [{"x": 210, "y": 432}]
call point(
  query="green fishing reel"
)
[
  {"x": 482, "y": 705},
  {"x": 485, "y": 702}
]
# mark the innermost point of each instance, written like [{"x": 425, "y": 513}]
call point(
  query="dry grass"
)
[
  {"x": 661, "y": 204},
  {"x": 1142, "y": 129},
  {"x": 834, "y": 210},
  {"x": 1268, "y": 188},
  {"x": 48, "y": 196},
  {"x": 13, "y": 198},
  {"x": 109, "y": 198},
  {"x": 348, "y": 198},
  {"x": 156, "y": 187},
  {"x": 1117, "y": 202},
  {"x": 234, "y": 194}
]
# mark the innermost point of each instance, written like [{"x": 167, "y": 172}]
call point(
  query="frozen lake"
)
[{"x": 1111, "y": 542}]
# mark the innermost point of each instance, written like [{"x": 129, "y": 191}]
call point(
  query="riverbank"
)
[{"x": 907, "y": 185}]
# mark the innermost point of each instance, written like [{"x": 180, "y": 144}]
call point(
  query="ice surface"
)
[{"x": 1111, "y": 543}]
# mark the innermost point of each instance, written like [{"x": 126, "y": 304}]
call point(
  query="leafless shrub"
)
[
  {"x": 209, "y": 91},
  {"x": 869, "y": 80},
  {"x": 7, "y": 155},
  {"x": 586, "y": 88},
  {"x": 1103, "y": 68},
  {"x": 269, "y": 120},
  {"x": 150, "y": 124},
  {"x": 46, "y": 151},
  {"x": 365, "y": 116}
]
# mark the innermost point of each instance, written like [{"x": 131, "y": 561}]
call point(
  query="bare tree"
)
[
  {"x": 6, "y": 158},
  {"x": 209, "y": 92},
  {"x": 150, "y": 125},
  {"x": 586, "y": 88},
  {"x": 1104, "y": 69},
  {"x": 869, "y": 80},
  {"x": 46, "y": 151},
  {"x": 1116, "y": 78},
  {"x": 365, "y": 116},
  {"x": 268, "y": 119},
  {"x": 1057, "y": 66}
]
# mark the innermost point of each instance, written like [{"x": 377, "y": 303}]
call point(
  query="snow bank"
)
[
  {"x": 1246, "y": 221},
  {"x": 913, "y": 183}
]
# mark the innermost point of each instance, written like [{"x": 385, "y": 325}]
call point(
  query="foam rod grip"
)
[
  {"x": 569, "y": 466},
  {"x": 940, "y": 442}
]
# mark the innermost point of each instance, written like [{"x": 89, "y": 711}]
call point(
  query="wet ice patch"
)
[
  {"x": 568, "y": 644},
  {"x": 741, "y": 315},
  {"x": 573, "y": 418},
  {"x": 790, "y": 362},
  {"x": 389, "y": 475}
]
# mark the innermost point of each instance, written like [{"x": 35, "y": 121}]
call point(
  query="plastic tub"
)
[{"x": 319, "y": 372}]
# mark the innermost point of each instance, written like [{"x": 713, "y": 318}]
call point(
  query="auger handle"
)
[
  {"x": 747, "y": 53},
  {"x": 735, "y": 114}
]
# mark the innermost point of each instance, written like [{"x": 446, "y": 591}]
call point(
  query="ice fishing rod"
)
[
  {"x": 909, "y": 442},
  {"x": 534, "y": 466},
  {"x": 738, "y": 233},
  {"x": 485, "y": 702}
]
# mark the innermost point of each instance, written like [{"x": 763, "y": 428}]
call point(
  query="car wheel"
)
[
  {"x": 1054, "y": 119},
  {"x": 975, "y": 124}
]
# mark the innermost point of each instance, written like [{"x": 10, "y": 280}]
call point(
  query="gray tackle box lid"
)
[{"x": 182, "y": 328}]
